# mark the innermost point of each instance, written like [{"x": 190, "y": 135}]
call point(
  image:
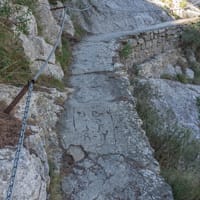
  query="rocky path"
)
[{"x": 102, "y": 131}]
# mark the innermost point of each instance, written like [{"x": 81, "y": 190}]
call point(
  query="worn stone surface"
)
[
  {"x": 113, "y": 177},
  {"x": 101, "y": 120}
]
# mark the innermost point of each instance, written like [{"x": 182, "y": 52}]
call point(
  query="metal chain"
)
[
  {"x": 25, "y": 117},
  {"x": 20, "y": 143}
]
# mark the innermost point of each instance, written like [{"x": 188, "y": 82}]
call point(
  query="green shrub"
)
[
  {"x": 182, "y": 78},
  {"x": 191, "y": 36},
  {"x": 29, "y": 3},
  {"x": 185, "y": 184},
  {"x": 126, "y": 50},
  {"x": 198, "y": 105},
  {"x": 196, "y": 68},
  {"x": 168, "y": 2},
  {"x": 55, "y": 183},
  {"x": 167, "y": 76},
  {"x": 79, "y": 31},
  {"x": 22, "y": 17},
  {"x": 64, "y": 55},
  {"x": 183, "y": 4},
  {"x": 14, "y": 66}
]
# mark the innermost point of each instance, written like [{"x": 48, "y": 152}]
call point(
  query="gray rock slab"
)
[
  {"x": 113, "y": 177},
  {"x": 112, "y": 16},
  {"x": 93, "y": 57},
  {"x": 100, "y": 116},
  {"x": 116, "y": 160}
]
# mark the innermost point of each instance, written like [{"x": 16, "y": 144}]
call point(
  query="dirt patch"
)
[{"x": 9, "y": 128}]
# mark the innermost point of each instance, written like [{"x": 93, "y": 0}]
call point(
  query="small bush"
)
[
  {"x": 22, "y": 17},
  {"x": 182, "y": 78},
  {"x": 55, "y": 183},
  {"x": 198, "y": 105},
  {"x": 64, "y": 56},
  {"x": 196, "y": 68},
  {"x": 167, "y": 76},
  {"x": 125, "y": 51},
  {"x": 185, "y": 184},
  {"x": 191, "y": 36},
  {"x": 29, "y": 3},
  {"x": 183, "y": 4},
  {"x": 14, "y": 66},
  {"x": 79, "y": 31},
  {"x": 168, "y": 2}
]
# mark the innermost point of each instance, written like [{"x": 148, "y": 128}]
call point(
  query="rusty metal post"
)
[
  {"x": 57, "y": 8},
  {"x": 17, "y": 98}
]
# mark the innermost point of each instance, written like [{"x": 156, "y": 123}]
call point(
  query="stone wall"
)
[{"x": 141, "y": 47}]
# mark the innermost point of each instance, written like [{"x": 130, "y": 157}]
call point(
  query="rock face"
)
[
  {"x": 174, "y": 102},
  {"x": 111, "y": 16},
  {"x": 33, "y": 173},
  {"x": 161, "y": 65},
  {"x": 38, "y": 44},
  {"x": 68, "y": 27},
  {"x": 37, "y": 50},
  {"x": 46, "y": 22},
  {"x": 31, "y": 177},
  {"x": 32, "y": 180}
]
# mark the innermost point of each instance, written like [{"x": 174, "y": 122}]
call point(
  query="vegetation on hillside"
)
[
  {"x": 10, "y": 9},
  {"x": 176, "y": 152},
  {"x": 125, "y": 50},
  {"x": 191, "y": 42},
  {"x": 14, "y": 66},
  {"x": 190, "y": 36}
]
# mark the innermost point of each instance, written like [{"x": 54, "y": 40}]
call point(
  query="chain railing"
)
[{"x": 29, "y": 87}]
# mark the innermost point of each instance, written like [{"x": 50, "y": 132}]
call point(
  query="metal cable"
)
[
  {"x": 42, "y": 68},
  {"x": 20, "y": 143},
  {"x": 25, "y": 117}
]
